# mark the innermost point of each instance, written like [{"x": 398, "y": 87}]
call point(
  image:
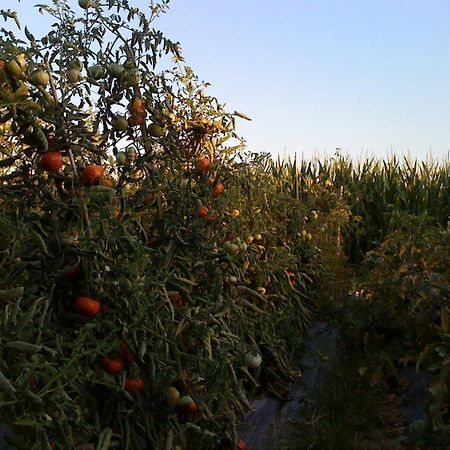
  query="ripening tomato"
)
[
  {"x": 137, "y": 106},
  {"x": 187, "y": 405},
  {"x": 148, "y": 199},
  {"x": 111, "y": 365},
  {"x": 136, "y": 385},
  {"x": 87, "y": 306},
  {"x": 203, "y": 211},
  {"x": 51, "y": 161},
  {"x": 203, "y": 164},
  {"x": 172, "y": 396},
  {"x": 93, "y": 173},
  {"x": 218, "y": 189},
  {"x": 241, "y": 445}
]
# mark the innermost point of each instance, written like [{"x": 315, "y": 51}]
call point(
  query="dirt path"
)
[{"x": 274, "y": 425}]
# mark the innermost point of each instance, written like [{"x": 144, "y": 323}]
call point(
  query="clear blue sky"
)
[{"x": 363, "y": 75}]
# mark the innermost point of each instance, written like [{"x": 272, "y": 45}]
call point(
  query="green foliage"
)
[
  {"x": 176, "y": 305},
  {"x": 402, "y": 306}
]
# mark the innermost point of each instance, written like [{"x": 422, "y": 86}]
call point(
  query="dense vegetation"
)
[{"x": 154, "y": 276}]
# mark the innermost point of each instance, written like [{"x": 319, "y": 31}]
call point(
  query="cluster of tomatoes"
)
[{"x": 90, "y": 307}]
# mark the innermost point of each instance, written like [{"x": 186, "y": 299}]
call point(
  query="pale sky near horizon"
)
[{"x": 368, "y": 76}]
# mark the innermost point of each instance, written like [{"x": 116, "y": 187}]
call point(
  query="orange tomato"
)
[
  {"x": 218, "y": 189},
  {"x": 51, "y": 161},
  {"x": 93, "y": 173},
  {"x": 203, "y": 164},
  {"x": 241, "y": 445},
  {"x": 87, "y": 306},
  {"x": 203, "y": 211}
]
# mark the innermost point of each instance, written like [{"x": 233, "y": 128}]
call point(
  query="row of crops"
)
[{"x": 154, "y": 277}]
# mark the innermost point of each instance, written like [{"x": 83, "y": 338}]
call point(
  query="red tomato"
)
[
  {"x": 177, "y": 300},
  {"x": 125, "y": 350},
  {"x": 111, "y": 365},
  {"x": 203, "y": 211},
  {"x": 51, "y": 161},
  {"x": 136, "y": 385},
  {"x": 154, "y": 243},
  {"x": 241, "y": 445},
  {"x": 74, "y": 273},
  {"x": 87, "y": 306},
  {"x": 218, "y": 189},
  {"x": 229, "y": 237},
  {"x": 93, "y": 173}
]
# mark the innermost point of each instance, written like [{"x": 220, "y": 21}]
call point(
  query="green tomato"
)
[
  {"x": 75, "y": 64},
  {"x": 131, "y": 154},
  {"x": 252, "y": 360},
  {"x": 40, "y": 78},
  {"x": 85, "y": 4},
  {"x": 121, "y": 158},
  {"x": 15, "y": 69},
  {"x": 116, "y": 70},
  {"x": 119, "y": 123},
  {"x": 96, "y": 72},
  {"x": 73, "y": 75},
  {"x": 156, "y": 131},
  {"x": 231, "y": 248}
]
